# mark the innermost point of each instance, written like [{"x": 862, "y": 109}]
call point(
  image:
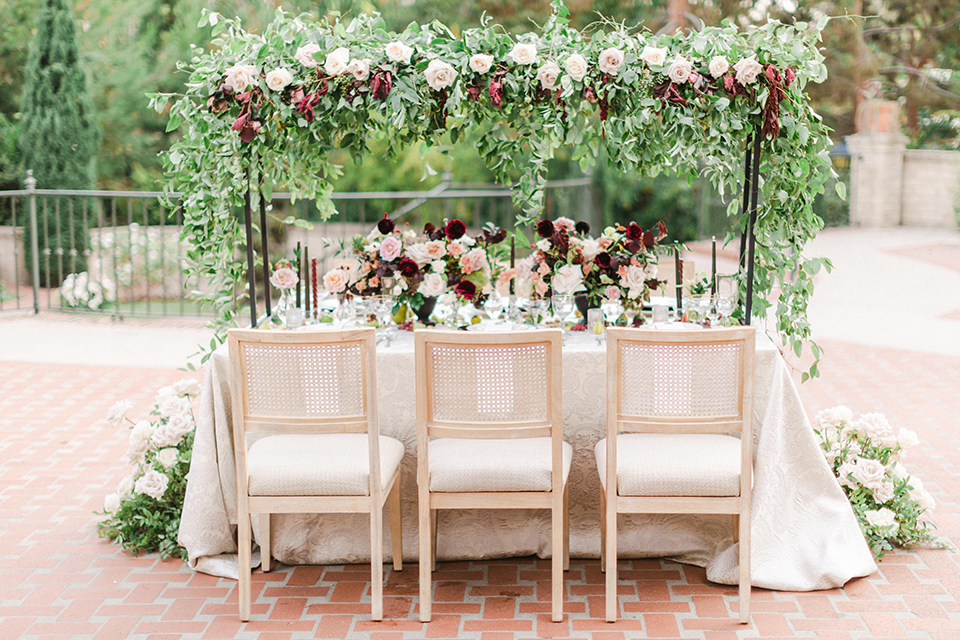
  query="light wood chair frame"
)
[
  {"x": 367, "y": 422},
  {"x": 427, "y": 427},
  {"x": 619, "y": 422}
]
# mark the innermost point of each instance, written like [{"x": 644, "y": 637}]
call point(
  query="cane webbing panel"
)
[
  {"x": 499, "y": 383},
  {"x": 304, "y": 380},
  {"x": 693, "y": 380}
]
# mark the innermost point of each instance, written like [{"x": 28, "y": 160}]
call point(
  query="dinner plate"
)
[{"x": 499, "y": 327}]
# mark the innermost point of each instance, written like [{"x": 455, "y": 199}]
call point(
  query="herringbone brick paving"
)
[{"x": 57, "y": 579}]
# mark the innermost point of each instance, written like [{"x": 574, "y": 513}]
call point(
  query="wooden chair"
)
[
  {"x": 491, "y": 402},
  {"x": 672, "y": 399},
  {"x": 311, "y": 396}
]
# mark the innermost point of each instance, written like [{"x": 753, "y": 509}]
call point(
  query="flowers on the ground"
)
[
  {"x": 79, "y": 290},
  {"x": 865, "y": 457}
]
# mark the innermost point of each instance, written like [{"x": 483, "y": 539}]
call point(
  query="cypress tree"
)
[{"x": 58, "y": 140}]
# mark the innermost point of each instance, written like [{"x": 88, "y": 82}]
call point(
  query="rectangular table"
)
[{"x": 804, "y": 533}]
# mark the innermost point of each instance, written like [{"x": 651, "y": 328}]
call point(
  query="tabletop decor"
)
[
  {"x": 284, "y": 278},
  {"x": 143, "y": 514},
  {"x": 865, "y": 455}
]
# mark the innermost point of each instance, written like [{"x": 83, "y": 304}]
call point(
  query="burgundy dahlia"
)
[
  {"x": 603, "y": 260},
  {"x": 386, "y": 225},
  {"x": 466, "y": 290},
  {"x": 544, "y": 228},
  {"x": 634, "y": 232},
  {"x": 455, "y": 229},
  {"x": 408, "y": 268},
  {"x": 583, "y": 228}
]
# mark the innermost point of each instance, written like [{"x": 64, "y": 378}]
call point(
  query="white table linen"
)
[{"x": 804, "y": 533}]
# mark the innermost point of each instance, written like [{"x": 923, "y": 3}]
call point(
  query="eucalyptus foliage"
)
[{"x": 647, "y": 123}]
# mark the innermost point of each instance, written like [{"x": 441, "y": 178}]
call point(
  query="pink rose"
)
[
  {"x": 335, "y": 281},
  {"x": 542, "y": 288},
  {"x": 507, "y": 274},
  {"x": 284, "y": 278},
  {"x": 611, "y": 293},
  {"x": 604, "y": 242},
  {"x": 455, "y": 249},
  {"x": 390, "y": 248},
  {"x": 566, "y": 224},
  {"x": 473, "y": 260}
]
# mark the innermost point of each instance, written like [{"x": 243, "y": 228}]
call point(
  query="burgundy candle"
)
[
  {"x": 304, "y": 276},
  {"x": 313, "y": 282}
]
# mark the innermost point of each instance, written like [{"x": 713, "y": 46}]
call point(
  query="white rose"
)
[
  {"x": 634, "y": 279},
  {"x": 654, "y": 56},
  {"x": 439, "y": 74},
  {"x": 576, "y": 65},
  {"x": 141, "y": 431},
  {"x": 337, "y": 61},
  {"x": 870, "y": 473},
  {"x": 170, "y": 433},
  {"x": 926, "y": 501},
  {"x": 336, "y": 280},
  {"x": 568, "y": 279},
  {"x": 610, "y": 60},
  {"x": 305, "y": 53},
  {"x": 719, "y": 66},
  {"x": 843, "y": 475},
  {"x": 876, "y": 427},
  {"x": 590, "y": 248},
  {"x": 833, "y": 417},
  {"x": 834, "y": 451},
  {"x": 907, "y": 438},
  {"x": 164, "y": 393},
  {"x": 680, "y": 70},
  {"x": 523, "y": 53},
  {"x": 240, "y": 76},
  {"x": 111, "y": 502},
  {"x": 168, "y": 457},
  {"x": 481, "y": 62},
  {"x": 153, "y": 484},
  {"x": 882, "y": 519},
  {"x": 548, "y": 74},
  {"x": 918, "y": 492},
  {"x": 433, "y": 285},
  {"x": 187, "y": 387},
  {"x": 125, "y": 488},
  {"x": 438, "y": 266},
  {"x": 174, "y": 406},
  {"x": 360, "y": 69},
  {"x": 898, "y": 471},
  {"x": 118, "y": 412},
  {"x": 278, "y": 79},
  {"x": 747, "y": 70},
  {"x": 399, "y": 52},
  {"x": 136, "y": 450},
  {"x": 883, "y": 493},
  {"x": 543, "y": 245}
]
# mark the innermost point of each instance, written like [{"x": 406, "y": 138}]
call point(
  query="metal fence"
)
[{"x": 119, "y": 253}]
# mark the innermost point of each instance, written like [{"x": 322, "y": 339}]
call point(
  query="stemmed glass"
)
[
  {"x": 382, "y": 308},
  {"x": 538, "y": 310},
  {"x": 346, "y": 311},
  {"x": 726, "y": 302},
  {"x": 562, "y": 307},
  {"x": 631, "y": 313},
  {"x": 612, "y": 310},
  {"x": 494, "y": 305}
]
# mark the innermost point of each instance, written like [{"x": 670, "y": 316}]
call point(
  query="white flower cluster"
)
[
  {"x": 154, "y": 447},
  {"x": 79, "y": 290}
]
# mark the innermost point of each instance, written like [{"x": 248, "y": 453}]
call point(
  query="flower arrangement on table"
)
[
  {"x": 865, "y": 456},
  {"x": 143, "y": 515}
]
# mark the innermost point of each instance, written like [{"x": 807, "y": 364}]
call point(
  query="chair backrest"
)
[
  {"x": 489, "y": 385},
  {"x": 680, "y": 381}
]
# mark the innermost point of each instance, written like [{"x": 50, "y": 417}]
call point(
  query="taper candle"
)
[
  {"x": 305, "y": 276},
  {"x": 713, "y": 268},
  {"x": 300, "y": 282},
  {"x": 313, "y": 282},
  {"x": 513, "y": 262},
  {"x": 679, "y": 277}
]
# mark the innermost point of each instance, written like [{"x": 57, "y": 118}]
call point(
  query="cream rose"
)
[
  {"x": 337, "y": 61},
  {"x": 568, "y": 279},
  {"x": 634, "y": 279},
  {"x": 240, "y": 76},
  {"x": 456, "y": 249},
  {"x": 898, "y": 471},
  {"x": 869, "y": 473},
  {"x": 548, "y": 74},
  {"x": 590, "y": 248},
  {"x": 136, "y": 450},
  {"x": 654, "y": 56},
  {"x": 843, "y": 475},
  {"x": 719, "y": 66},
  {"x": 168, "y": 457},
  {"x": 304, "y": 55},
  {"x": 543, "y": 245},
  {"x": 118, "y": 412},
  {"x": 433, "y": 285},
  {"x": 111, "y": 502},
  {"x": 424, "y": 252},
  {"x": 523, "y": 53},
  {"x": 359, "y": 69},
  {"x": 876, "y": 427},
  {"x": 438, "y": 266},
  {"x": 125, "y": 487},
  {"x": 278, "y": 79},
  {"x": 610, "y": 60},
  {"x": 576, "y": 65},
  {"x": 565, "y": 223},
  {"x": 747, "y": 70},
  {"x": 481, "y": 62},
  {"x": 612, "y": 293},
  {"x": 398, "y": 52},
  {"x": 390, "y": 248},
  {"x": 169, "y": 434},
  {"x": 153, "y": 484},
  {"x": 284, "y": 278},
  {"x": 473, "y": 260},
  {"x": 142, "y": 430},
  {"x": 187, "y": 387},
  {"x": 833, "y": 417},
  {"x": 883, "y": 518},
  {"x": 883, "y": 493},
  {"x": 907, "y": 438},
  {"x": 679, "y": 70},
  {"x": 335, "y": 281},
  {"x": 439, "y": 74}
]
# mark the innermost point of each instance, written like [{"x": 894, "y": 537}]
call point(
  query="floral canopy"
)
[{"x": 276, "y": 104}]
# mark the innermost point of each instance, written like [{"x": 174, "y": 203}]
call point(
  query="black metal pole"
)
[
  {"x": 755, "y": 189},
  {"x": 746, "y": 200},
  {"x": 265, "y": 251},
  {"x": 251, "y": 269}
]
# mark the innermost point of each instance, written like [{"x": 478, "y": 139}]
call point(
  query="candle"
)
[
  {"x": 713, "y": 269},
  {"x": 299, "y": 279},
  {"x": 513, "y": 261},
  {"x": 313, "y": 280},
  {"x": 679, "y": 276},
  {"x": 305, "y": 275}
]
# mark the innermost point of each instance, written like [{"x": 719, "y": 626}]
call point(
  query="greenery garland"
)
[{"x": 275, "y": 104}]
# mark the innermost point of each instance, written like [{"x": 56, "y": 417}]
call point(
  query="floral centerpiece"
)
[
  {"x": 284, "y": 278},
  {"x": 143, "y": 515},
  {"x": 865, "y": 456}
]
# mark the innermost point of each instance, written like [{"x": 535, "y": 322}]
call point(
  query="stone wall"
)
[
  {"x": 13, "y": 271},
  {"x": 931, "y": 188}
]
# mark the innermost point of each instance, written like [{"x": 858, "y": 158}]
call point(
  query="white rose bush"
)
[
  {"x": 143, "y": 514},
  {"x": 865, "y": 456},
  {"x": 683, "y": 103}
]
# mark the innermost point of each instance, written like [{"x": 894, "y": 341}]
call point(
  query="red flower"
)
[
  {"x": 386, "y": 225},
  {"x": 466, "y": 290},
  {"x": 661, "y": 231},
  {"x": 648, "y": 240},
  {"x": 789, "y": 76},
  {"x": 408, "y": 268},
  {"x": 603, "y": 260},
  {"x": 380, "y": 84},
  {"x": 583, "y": 228},
  {"x": 306, "y": 104},
  {"x": 545, "y": 228},
  {"x": 496, "y": 89},
  {"x": 455, "y": 229},
  {"x": 634, "y": 232}
]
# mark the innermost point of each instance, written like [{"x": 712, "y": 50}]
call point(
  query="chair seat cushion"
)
[
  {"x": 335, "y": 464},
  {"x": 657, "y": 464},
  {"x": 466, "y": 465}
]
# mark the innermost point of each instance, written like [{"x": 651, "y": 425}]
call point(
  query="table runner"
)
[{"x": 804, "y": 533}]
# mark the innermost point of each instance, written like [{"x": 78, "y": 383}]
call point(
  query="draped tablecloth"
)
[{"x": 804, "y": 533}]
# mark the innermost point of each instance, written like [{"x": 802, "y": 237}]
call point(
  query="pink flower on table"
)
[
  {"x": 541, "y": 288},
  {"x": 284, "y": 278},
  {"x": 390, "y": 248},
  {"x": 611, "y": 293},
  {"x": 634, "y": 279},
  {"x": 604, "y": 242},
  {"x": 507, "y": 274},
  {"x": 473, "y": 260},
  {"x": 335, "y": 281},
  {"x": 566, "y": 224},
  {"x": 456, "y": 249},
  {"x": 543, "y": 269}
]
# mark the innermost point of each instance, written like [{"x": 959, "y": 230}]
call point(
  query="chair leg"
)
[
  {"x": 433, "y": 537},
  {"x": 396, "y": 530},
  {"x": 243, "y": 562},
  {"x": 376, "y": 560},
  {"x": 426, "y": 556},
  {"x": 603, "y": 531},
  {"x": 566, "y": 529},
  {"x": 556, "y": 559},
  {"x": 736, "y": 527},
  {"x": 745, "y": 568},
  {"x": 265, "y": 557},
  {"x": 610, "y": 561}
]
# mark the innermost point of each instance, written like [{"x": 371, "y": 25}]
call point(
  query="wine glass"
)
[
  {"x": 712, "y": 312},
  {"x": 346, "y": 311},
  {"x": 494, "y": 305},
  {"x": 612, "y": 310},
  {"x": 538, "y": 310},
  {"x": 726, "y": 303},
  {"x": 381, "y": 307},
  {"x": 631, "y": 313},
  {"x": 596, "y": 325},
  {"x": 562, "y": 307}
]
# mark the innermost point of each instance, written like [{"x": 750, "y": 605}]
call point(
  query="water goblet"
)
[
  {"x": 596, "y": 325},
  {"x": 538, "y": 310},
  {"x": 346, "y": 311},
  {"x": 712, "y": 311},
  {"x": 494, "y": 305},
  {"x": 725, "y": 306},
  {"x": 381, "y": 307},
  {"x": 631, "y": 313},
  {"x": 562, "y": 307},
  {"x": 612, "y": 310}
]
